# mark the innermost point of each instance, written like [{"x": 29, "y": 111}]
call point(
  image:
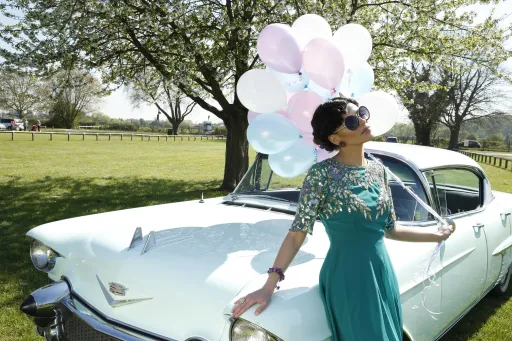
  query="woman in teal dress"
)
[{"x": 351, "y": 196}]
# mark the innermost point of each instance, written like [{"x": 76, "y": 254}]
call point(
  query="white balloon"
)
[
  {"x": 294, "y": 161},
  {"x": 355, "y": 43},
  {"x": 260, "y": 91},
  {"x": 383, "y": 109},
  {"x": 310, "y": 26}
]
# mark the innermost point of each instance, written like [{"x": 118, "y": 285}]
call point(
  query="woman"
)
[{"x": 351, "y": 196}]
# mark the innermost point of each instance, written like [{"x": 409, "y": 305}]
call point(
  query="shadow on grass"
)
[
  {"x": 28, "y": 204},
  {"x": 477, "y": 317}
]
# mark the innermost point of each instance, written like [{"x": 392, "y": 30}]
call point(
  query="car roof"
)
[{"x": 423, "y": 157}]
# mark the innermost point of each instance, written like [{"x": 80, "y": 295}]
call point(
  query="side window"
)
[
  {"x": 455, "y": 190},
  {"x": 406, "y": 206}
]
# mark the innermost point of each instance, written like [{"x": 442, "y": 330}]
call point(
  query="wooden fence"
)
[
  {"x": 490, "y": 159},
  {"x": 143, "y": 137}
]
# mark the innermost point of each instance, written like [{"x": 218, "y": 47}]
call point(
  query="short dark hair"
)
[{"x": 327, "y": 118}]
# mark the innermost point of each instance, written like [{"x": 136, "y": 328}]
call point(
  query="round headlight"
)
[
  {"x": 42, "y": 256},
  {"x": 243, "y": 330}
]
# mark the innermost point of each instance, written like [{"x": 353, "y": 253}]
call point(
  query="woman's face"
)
[{"x": 358, "y": 136}]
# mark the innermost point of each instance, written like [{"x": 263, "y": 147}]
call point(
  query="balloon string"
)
[{"x": 430, "y": 260}]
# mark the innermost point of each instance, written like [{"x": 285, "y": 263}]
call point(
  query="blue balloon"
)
[
  {"x": 294, "y": 161},
  {"x": 291, "y": 82},
  {"x": 272, "y": 133},
  {"x": 358, "y": 81}
]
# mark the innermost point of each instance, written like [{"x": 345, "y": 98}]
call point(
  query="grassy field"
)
[{"x": 44, "y": 181}]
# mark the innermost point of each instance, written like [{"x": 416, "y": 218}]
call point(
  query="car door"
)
[{"x": 458, "y": 195}]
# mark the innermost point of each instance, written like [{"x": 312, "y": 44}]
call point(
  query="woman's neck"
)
[{"x": 351, "y": 156}]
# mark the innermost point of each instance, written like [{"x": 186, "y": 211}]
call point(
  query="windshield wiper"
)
[{"x": 262, "y": 196}]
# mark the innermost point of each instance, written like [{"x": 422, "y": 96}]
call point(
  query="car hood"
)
[{"x": 199, "y": 258}]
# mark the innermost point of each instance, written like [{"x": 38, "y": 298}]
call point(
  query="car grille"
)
[{"x": 77, "y": 330}]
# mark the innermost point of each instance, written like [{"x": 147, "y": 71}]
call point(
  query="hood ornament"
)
[
  {"x": 118, "y": 303},
  {"x": 136, "y": 239}
]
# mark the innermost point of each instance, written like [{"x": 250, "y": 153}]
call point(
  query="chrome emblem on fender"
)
[{"x": 117, "y": 289}]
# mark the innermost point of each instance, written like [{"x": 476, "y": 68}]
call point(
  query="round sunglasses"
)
[{"x": 351, "y": 122}]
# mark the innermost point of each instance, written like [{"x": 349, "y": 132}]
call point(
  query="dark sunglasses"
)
[{"x": 351, "y": 122}]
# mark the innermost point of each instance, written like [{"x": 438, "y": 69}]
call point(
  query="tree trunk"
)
[
  {"x": 175, "y": 126},
  {"x": 454, "y": 136},
  {"x": 237, "y": 148},
  {"x": 422, "y": 134}
]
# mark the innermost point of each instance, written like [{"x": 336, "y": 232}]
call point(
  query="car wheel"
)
[{"x": 502, "y": 286}]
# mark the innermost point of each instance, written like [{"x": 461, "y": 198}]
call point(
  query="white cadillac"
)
[{"x": 173, "y": 271}]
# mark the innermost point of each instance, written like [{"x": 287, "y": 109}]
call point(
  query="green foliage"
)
[
  {"x": 379, "y": 139},
  {"x": 495, "y": 137},
  {"x": 471, "y": 136}
]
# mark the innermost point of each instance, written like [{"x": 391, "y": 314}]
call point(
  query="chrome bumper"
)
[{"x": 60, "y": 317}]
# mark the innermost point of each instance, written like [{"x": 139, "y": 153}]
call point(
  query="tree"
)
[
  {"x": 424, "y": 101},
  {"x": 19, "y": 92},
  {"x": 158, "y": 91},
  {"x": 72, "y": 93},
  {"x": 474, "y": 93},
  {"x": 204, "y": 47}
]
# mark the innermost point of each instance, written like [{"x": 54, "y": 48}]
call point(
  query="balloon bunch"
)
[{"x": 306, "y": 65}]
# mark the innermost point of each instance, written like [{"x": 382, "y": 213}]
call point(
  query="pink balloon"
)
[
  {"x": 279, "y": 49},
  {"x": 324, "y": 63},
  {"x": 284, "y": 112},
  {"x": 322, "y": 154},
  {"x": 251, "y": 115},
  {"x": 302, "y": 106}
]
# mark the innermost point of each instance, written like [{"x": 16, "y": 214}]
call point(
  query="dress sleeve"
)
[
  {"x": 391, "y": 219},
  {"x": 312, "y": 197}
]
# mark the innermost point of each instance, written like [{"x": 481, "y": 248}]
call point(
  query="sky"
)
[{"x": 117, "y": 104}]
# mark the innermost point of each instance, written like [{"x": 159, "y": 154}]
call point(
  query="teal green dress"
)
[{"x": 358, "y": 284}]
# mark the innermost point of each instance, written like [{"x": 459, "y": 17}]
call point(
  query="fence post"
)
[
  {"x": 68, "y": 136},
  {"x": 158, "y": 138},
  {"x": 202, "y": 137},
  {"x": 166, "y": 138},
  {"x": 495, "y": 161},
  {"x": 131, "y": 137},
  {"x": 109, "y": 136},
  {"x": 32, "y": 136},
  {"x": 182, "y": 138},
  {"x": 500, "y": 161},
  {"x": 122, "y": 137},
  {"x": 51, "y": 136},
  {"x": 506, "y": 164},
  {"x": 12, "y": 135},
  {"x": 83, "y": 137},
  {"x": 175, "y": 138},
  {"x": 149, "y": 138},
  {"x": 97, "y": 137}
]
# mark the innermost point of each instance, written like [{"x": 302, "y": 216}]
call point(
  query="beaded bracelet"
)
[{"x": 279, "y": 271}]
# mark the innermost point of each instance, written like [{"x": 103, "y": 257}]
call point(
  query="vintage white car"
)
[{"x": 173, "y": 271}]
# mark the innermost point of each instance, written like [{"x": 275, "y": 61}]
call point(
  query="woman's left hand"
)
[{"x": 445, "y": 232}]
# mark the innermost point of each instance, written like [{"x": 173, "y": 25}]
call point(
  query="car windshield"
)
[{"x": 261, "y": 182}]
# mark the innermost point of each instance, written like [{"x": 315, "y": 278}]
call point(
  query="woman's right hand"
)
[{"x": 261, "y": 297}]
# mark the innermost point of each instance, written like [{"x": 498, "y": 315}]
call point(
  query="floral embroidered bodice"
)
[{"x": 359, "y": 195}]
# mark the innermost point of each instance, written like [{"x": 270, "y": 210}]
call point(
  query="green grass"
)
[{"x": 44, "y": 181}]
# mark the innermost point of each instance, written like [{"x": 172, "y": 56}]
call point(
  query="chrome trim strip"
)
[
  {"x": 150, "y": 243},
  {"x": 97, "y": 324}
]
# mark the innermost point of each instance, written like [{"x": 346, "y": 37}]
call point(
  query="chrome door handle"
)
[
  {"x": 478, "y": 226},
  {"x": 505, "y": 215}
]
